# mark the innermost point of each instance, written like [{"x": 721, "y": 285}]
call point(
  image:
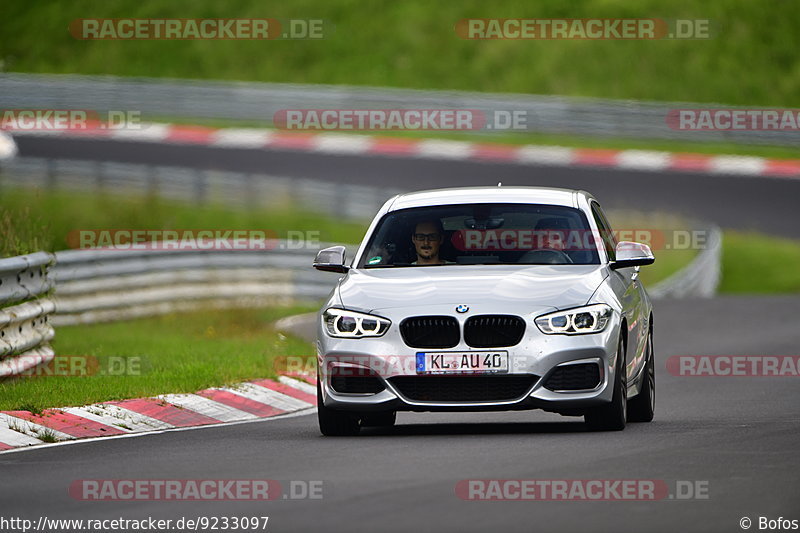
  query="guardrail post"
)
[
  {"x": 151, "y": 179},
  {"x": 200, "y": 187},
  {"x": 99, "y": 175},
  {"x": 251, "y": 199},
  {"x": 52, "y": 173}
]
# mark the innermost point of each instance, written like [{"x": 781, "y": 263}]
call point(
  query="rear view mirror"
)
[
  {"x": 331, "y": 260},
  {"x": 631, "y": 254}
]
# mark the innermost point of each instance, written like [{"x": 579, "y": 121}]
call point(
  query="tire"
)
[
  {"x": 379, "y": 419},
  {"x": 612, "y": 416},
  {"x": 334, "y": 423},
  {"x": 643, "y": 406}
]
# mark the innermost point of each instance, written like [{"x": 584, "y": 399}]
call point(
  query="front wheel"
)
[
  {"x": 643, "y": 406},
  {"x": 334, "y": 423},
  {"x": 611, "y": 417}
]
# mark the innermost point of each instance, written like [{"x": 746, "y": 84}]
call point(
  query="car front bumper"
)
[{"x": 536, "y": 355}]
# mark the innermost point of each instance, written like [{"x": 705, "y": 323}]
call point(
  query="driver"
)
[{"x": 427, "y": 238}]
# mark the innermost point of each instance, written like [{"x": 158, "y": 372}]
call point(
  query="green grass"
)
[
  {"x": 166, "y": 354},
  {"x": 35, "y": 219},
  {"x": 33, "y": 408},
  {"x": 667, "y": 263},
  {"x": 47, "y": 435},
  {"x": 668, "y": 260},
  {"x": 21, "y": 231},
  {"x": 756, "y": 263},
  {"x": 752, "y": 60}
]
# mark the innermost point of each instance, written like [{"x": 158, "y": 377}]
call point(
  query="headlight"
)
[
  {"x": 578, "y": 321},
  {"x": 352, "y": 324}
]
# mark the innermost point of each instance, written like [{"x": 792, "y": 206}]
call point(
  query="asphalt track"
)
[{"x": 739, "y": 435}]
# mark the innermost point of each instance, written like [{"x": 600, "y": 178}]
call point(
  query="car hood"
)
[{"x": 559, "y": 286}]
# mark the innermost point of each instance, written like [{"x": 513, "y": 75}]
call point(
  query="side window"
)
[{"x": 605, "y": 231}]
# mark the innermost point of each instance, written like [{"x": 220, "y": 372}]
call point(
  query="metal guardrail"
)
[
  {"x": 235, "y": 189},
  {"x": 197, "y": 99},
  {"x": 700, "y": 278},
  {"x": 24, "y": 277},
  {"x": 25, "y": 328},
  {"x": 105, "y": 285}
]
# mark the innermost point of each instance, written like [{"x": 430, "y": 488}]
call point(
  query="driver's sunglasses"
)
[{"x": 430, "y": 237}]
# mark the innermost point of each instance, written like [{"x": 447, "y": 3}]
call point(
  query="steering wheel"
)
[{"x": 547, "y": 256}]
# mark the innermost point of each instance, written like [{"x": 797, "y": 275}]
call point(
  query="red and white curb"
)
[
  {"x": 352, "y": 144},
  {"x": 244, "y": 402}
]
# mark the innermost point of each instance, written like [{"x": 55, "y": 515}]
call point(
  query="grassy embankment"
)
[{"x": 751, "y": 59}]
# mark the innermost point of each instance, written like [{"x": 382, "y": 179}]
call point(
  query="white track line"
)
[
  {"x": 332, "y": 143},
  {"x": 241, "y": 137},
  {"x": 444, "y": 149},
  {"x": 733, "y": 164},
  {"x": 643, "y": 160},
  {"x": 545, "y": 155},
  {"x": 148, "y": 132}
]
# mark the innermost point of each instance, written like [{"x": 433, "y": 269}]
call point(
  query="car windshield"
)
[{"x": 469, "y": 234}]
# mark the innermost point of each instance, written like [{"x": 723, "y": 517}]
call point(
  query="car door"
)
[{"x": 625, "y": 282}]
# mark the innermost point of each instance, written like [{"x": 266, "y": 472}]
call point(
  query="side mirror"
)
[
  {"x": 631, "y": 254},
  {"x": 331, "y": 260}
]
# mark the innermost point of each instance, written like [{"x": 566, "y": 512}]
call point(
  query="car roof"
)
[{"x": 497, "y": 194}]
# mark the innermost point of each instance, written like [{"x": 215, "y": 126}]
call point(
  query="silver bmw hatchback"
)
[{"x": 486, "y": 299}]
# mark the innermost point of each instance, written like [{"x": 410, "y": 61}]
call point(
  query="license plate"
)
[{"x": 461, "y": 362}]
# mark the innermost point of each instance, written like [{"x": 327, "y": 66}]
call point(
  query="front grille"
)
[
  {"x": 463, "y": 388},
  {"x": 356, "y": 384},
  {"x": 430, "y": 331},
  {"x": 583, "y": 376},
  {"x": 493, "y": 331}
]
